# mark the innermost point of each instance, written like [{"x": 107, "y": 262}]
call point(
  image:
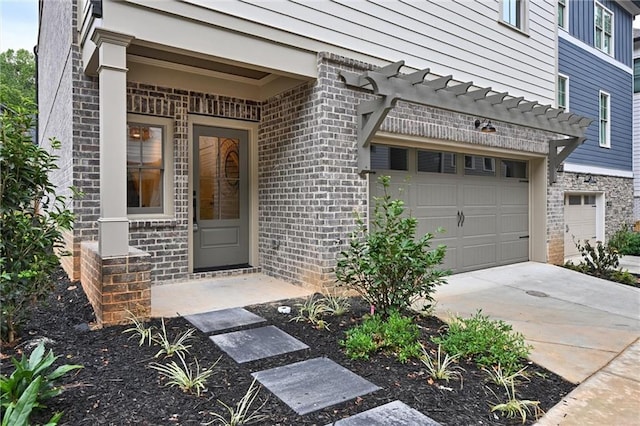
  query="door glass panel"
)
[
  {"x": 575, "y": 200},
  {"x": 589, "y": 199},
  {"x": 219, "y": 179},
  {"x": 475, "y": 165},
  {"x": 437, "y": 162},
  {"x": 514, "y": 169},
  {"x": 388, "y": 158}
]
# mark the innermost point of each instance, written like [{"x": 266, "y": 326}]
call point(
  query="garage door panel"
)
[
  {"x": 437, "y": 195},
  {"x": 478, "y": 256},
  {"x": 580, "y": 222},
  {"x": 514, "y": 196},
  {"x": 479, "y": 225},
  {"x": 480, "y": 195},
  {"x": 517, "y": 223},
  {"x": 431, "y": 224},
  {"x": 514, "y": 251}
]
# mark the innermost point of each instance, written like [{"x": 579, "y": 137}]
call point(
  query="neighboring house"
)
[
  {"x": 225, "y": 137},
  {"x": 594, "y": 77},
  {"x": 636, "y": 123}
]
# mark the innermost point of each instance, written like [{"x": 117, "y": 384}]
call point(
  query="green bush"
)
[
  {"x": 625, "y": 241},
  {"x": 603, "y": 261},
  {"x": 396, "y": 334},
  {"x": 31, "y": 383},
  {"x": 33, "y": 218},
  {"x": 387, "y": 265},
  {"x": 488, "y": 342}
]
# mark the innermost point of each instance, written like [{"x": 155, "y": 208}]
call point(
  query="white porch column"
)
[{"x": 113, "y": 225}]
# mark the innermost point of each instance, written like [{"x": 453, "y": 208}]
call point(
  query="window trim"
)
[
  {"x": 607, "y": 142},
  {"x": 523, "y": 12},
  {"x": 565, "y": 20},
  {"x": 566, "y": 91},
  {"x": 168, "y": 187},
  {"x": 636, "y": 75},
  {"x": 597, "y": 4}
]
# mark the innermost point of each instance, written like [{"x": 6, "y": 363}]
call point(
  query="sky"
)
[{"x": 19, "y": 24}]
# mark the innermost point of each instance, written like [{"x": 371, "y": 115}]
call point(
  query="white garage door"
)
[
  {"x": 480, "y": 201},
  {"x": 579, "y": 221}
]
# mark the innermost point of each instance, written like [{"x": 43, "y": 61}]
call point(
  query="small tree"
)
[
  {"x": 33, "y": 218},
  {"x": 387, "y": 265}
]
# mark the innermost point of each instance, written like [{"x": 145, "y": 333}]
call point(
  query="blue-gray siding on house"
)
[
  {"x": 589, "y": 74},
  {"x": 581, "y": 26}
]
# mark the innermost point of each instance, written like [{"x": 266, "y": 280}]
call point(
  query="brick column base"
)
[{"x": 116, "y": 284}]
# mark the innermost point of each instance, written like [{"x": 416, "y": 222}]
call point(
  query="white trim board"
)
[{"x": 580, "y": 168}]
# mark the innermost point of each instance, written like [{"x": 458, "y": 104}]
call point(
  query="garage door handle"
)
[
  {"x": 462, "y": 213},
  {"x": 459, "y": 218}
]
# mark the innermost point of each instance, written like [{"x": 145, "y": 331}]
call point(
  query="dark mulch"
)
[{"x": 116, "y": 386}]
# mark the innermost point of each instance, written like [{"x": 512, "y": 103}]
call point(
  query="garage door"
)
[
  {"x": 579, "y": 221},
  {"x": 480, "y": 201}
]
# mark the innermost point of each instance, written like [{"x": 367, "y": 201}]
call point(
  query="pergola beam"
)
[{"x": 391, "y": 86}]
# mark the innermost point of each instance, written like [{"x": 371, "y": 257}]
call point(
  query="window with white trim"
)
[
  {"x": 605, "y": 120},
  {"x": 563, "y": 14},
  {"x": 149, "y": 165},
  {"x": 515, "y": 13},
  {"x": 563, "y": 92},
  {"x": 603, "y": 22}
]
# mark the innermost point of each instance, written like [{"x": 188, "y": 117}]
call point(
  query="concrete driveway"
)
[{"x": 576, "y": 323}]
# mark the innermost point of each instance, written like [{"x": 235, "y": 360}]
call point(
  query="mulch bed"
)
[{"x": 116, "y": 386}]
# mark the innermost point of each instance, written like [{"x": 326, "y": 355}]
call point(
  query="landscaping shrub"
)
[
  {"x": 625, "y": 241},
  {"x": 395, "y": 334},
  {"x": 386, "y": 264},
  {"x": 30, "y": 384},
  {"x": 602, "y": 261},
  {"x": 33, "y": 218},
  {"x": 488, "y": 342}
]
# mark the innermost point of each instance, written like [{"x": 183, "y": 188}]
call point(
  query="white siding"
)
[{"x": 462, "y": 38}]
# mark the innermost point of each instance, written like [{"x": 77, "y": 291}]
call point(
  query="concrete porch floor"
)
[{"x": 192, "y": 297}]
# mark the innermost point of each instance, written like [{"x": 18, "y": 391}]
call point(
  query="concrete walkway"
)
[{"x": 585, "y": 329}]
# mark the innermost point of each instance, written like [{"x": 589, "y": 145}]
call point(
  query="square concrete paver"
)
[
  {"x": 313, "y": 384},
  {"x": 395, "y": 413},
  {"x": 209, "y": 322},
  {"x": 257, "y": 343}
]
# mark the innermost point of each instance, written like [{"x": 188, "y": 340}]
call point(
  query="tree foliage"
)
[
  {"x": 388, "y": 265},
  {"x": 18, "y": 79},
  {"x": 33, "y": 218}
]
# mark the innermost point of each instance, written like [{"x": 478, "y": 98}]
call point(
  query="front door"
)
[{"x": 220, "y": 198}]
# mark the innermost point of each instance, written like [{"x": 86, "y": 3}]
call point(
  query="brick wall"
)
[
  {"x": 116, "y": 286},
  {"x": 167, "y": 240},
  {"x": 618, "y": 194}
]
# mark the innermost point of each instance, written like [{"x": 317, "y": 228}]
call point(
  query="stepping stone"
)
[
  {"x": 257, "y": 343},
  {"x": 395, "y": 413},
  {"x": 208, "y": 322},
  {"x": 313, "y": 384}
]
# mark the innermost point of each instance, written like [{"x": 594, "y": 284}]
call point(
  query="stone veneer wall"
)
[
  {"x": 618, "y": 194},
  {"x": 116, "y": 286},
  {"x": 167, "y": 239}
]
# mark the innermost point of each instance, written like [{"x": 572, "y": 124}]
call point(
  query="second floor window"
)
[
  {"x": 563, "y": 92},
  {"x": 603, "y": 29},
  {"x": 605, "y": 120},
  {"x": 562, "y": 14},
  {"x": 514, "y": 13}
]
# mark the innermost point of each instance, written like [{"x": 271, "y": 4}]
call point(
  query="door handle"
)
[
  {"x": 459, "y": 218},
  {"x": 195, "y": 216},
  {"x": 462, "y": 215},
  {"x": 567, "y": 228}
]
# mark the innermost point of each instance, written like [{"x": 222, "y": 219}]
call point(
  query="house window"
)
[
  {"x": 603, "y": 29},
  {"x": 388, "y": 158},
  {"x": 562, "y": 14},
  {"x": 514, "y": 13},
  {"x": 636, "y": 75},
  {"x": 437, "y": 162},
  {"x": 605, "y": 120},
  {"x": 149, "y": 171},
  {"x": 563, "y": 92}
]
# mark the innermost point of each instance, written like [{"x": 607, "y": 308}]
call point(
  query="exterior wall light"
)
[{"x": 487, "y": 127}]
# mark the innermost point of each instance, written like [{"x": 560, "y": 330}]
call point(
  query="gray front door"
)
[{"x": 220, "y": 198}]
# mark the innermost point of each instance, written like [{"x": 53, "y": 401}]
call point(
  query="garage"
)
[
  {"x": 482, "y": 202},
  {"x": 580, "y": 221}
]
